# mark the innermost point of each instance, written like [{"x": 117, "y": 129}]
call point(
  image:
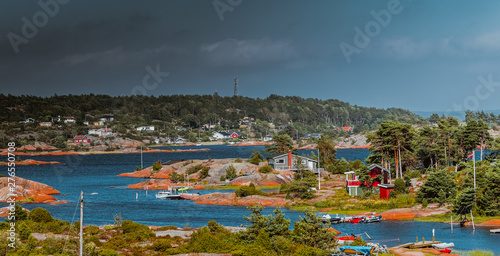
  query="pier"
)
[
  {"x": 417, "y": 244},
  {"x": 495, "y": 230}
]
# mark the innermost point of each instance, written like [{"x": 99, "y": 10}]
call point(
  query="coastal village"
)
[{"x": 370, "y": 191}]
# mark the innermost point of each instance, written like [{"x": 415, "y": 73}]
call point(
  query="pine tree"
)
[{"x": 311, "y": 231}]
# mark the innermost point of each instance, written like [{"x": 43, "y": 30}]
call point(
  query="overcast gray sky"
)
[{"x": 426, "y": 55}]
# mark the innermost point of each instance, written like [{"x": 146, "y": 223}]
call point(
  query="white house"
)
[
  {"x": 180, "y": 141},
  {"x": 292, "y": 162},
  {"x": 27, "y": 120},
  {"x": 145, "y": 129},
  {"x": 107, "y": 118},
  {"x": 69, "y": 119},
  {"x": 101, "y": 132},
  {"x": 267, "y": 138},
  {"x": 224, "y": 135}
]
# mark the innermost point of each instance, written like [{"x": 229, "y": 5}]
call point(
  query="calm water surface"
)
[{"x": 97, "y": 173}]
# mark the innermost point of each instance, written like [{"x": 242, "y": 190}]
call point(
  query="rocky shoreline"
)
[{"x": 27, "y": 191}]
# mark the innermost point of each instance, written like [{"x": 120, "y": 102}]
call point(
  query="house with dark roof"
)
[
  {"x": 81, "y": 139},
  {"x": 353, "y": 185},
  {"x": 312, "y": 135},
  {"x": 292, "y": 162}
]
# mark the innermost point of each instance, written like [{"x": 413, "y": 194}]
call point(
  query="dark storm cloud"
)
[{"x": 287, "y": 47}]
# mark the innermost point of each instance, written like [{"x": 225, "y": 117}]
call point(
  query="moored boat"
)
[
  {"x": 443, "y": 245},
  {"x": 373, "y": 219},
  {"x": 167, "y": 195}
]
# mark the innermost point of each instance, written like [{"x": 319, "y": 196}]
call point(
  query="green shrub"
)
[
  {"x": 109, "y": 252},
  {"x": 136, "y": 231},
  {"x": 222, "y": 178},
  {"x": 399, "y": 186},
  {"x": 40, "y": 215},
  {"x": 265, "y": 169},
  {"x": 393, "y": 194},
  {"x": 310, "y": 251},
  {"x": 414, "y": 174},
  {"x": 213, "y": 226},
  {"x": 24, "y": 231},
  {"x": 367, "y": 194},
  {"x": 238, "y": 160},
  {"x": 175, "y": 177},
  {"x": 244, "y": 191},
  {"x": 161, "y": 245},
  {"x": 116, "y": 243},
  {"x": 91, "y": 230},
  {"x": 230, "y": 172},
  {"x": 194, "y": 169},
  {"x": 156, "y": 167},
  {"x": 204, "y": 172},
  {"x": 256, "y": 157},
  {"x": 425, "y": 203},
  {"x": 93, "y": 238}
]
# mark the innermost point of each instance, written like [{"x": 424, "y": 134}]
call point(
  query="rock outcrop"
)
[
  {"x": 232, "y": 199},
  {"x": 410, "y": 213},
  {"x": 26, "y": 191},
  {"x": 31, "y": 162}
]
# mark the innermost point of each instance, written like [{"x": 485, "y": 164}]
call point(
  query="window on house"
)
[
  {"x": 281, "y": 161},
  {"x": 303, "y": 161}
]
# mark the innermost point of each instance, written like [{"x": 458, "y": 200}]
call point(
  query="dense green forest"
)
[{"x": 196, "y": 110}]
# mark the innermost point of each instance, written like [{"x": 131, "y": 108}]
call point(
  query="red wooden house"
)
[
  {"x": 81, "y": 139},
  {"x": 353, "y": 185}
]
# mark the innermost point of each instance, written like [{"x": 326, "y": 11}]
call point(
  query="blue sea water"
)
[{"x": 97, "y": 173}]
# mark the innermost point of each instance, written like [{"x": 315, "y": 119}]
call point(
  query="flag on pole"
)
[{"x": 471, "y": 155}]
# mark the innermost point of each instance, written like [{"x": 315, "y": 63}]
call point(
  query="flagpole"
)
[{"x": 474, "y": 160}]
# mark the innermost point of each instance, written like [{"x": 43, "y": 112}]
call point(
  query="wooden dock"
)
[
  {"x": 425, "y": 244},
  {"x": 495, "y": 230}
]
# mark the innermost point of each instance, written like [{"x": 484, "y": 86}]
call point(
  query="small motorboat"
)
[
  {"x": 199, "y": 144},
  {"x": 373, "y": 219},
  {"x": 326, "y": 218},
  {"x": 345, "y": 239},
  {"x": 335, "y": 220},
  {"x": 167, "y": 195},
  {"x": 346, "y": 219},
  {"x": 357, "y": 220}
]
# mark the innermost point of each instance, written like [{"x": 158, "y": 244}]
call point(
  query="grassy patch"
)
[
  {"x": 343, "y": 203},
  {"x": 474, "y": 253},
  {"x": 446, "y": 218}
]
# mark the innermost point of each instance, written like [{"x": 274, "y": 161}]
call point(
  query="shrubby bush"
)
[
  {"x": 244, "y": 191},
  {"x": 266, "y": 169},
  {"x": 414, "y": 174},
  {"x": 40, "y": 215}
]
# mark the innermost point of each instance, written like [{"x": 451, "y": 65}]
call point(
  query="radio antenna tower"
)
[{"x": 235, "y": 86}]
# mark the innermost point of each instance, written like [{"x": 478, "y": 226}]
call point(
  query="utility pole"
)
[
  {"x": 319, "y": 173},
  {"x": 474, "y": 161},
  {"x": 81, "y": 224}
]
